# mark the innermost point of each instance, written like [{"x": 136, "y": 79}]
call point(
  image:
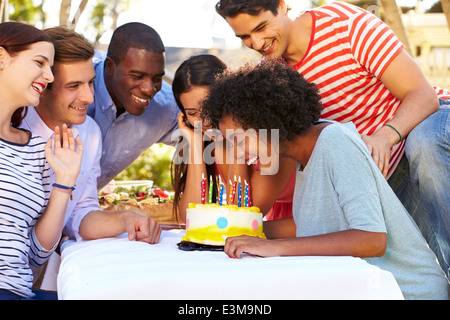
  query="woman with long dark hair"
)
[
  {"x": 31, "y": 219},
  {"x": 271, "y": 193}
]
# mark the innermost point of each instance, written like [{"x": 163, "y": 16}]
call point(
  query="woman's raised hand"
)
[{"x": 65, "y": 158}]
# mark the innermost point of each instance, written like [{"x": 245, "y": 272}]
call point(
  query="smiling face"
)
[
  {"x": 69, "y": 96},
  {"x": 191, "y": 101},
  {"x": 27, "y": 74},
  {"x": 134, "y": 81},
  {"x": 266, "y": 33},
  {"x": 250, "y": 145},
  {"x": 245, "y": 144}
]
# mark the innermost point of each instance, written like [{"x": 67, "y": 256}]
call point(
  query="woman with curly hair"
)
[
  {"x": 342, "y": 203},
  {"x": 271, "y": 193}
]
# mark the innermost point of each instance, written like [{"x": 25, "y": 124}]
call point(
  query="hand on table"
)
[
  {"x": 142, "y": 228},
  {"x": 236, "y": 246}
]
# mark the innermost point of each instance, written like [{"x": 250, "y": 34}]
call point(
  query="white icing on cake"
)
[{"x": 211, "y": 224}]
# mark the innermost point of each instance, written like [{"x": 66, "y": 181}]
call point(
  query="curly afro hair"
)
[{"x": 269, "y": 95}]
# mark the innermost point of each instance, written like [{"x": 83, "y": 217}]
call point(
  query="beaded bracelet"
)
[
  {"x": 399, "y": 135},
  {"x": 64, "y": 189}
]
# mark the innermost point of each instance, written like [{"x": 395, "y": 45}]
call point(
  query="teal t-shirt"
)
[{"x": 341, "y": 188}]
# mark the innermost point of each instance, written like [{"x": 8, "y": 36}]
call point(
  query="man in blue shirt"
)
[{"x": 133, "y": 106}]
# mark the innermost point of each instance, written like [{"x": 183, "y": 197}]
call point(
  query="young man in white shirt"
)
[{"x": 66, "y": 101}]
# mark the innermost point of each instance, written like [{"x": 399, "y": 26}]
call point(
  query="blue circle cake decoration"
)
[{"x": 222, "y": 222}]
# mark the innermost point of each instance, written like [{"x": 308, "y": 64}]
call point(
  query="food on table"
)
[{"x": 139, "y": 196}]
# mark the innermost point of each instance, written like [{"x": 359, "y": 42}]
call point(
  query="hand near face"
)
[
  {"x": 193, "y": 136},
  {"x": 183, "y": 124}
]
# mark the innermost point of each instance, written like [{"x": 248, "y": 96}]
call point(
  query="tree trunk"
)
[
  {"x": 394, "y": 20},
  {"x": 80, "y": 10},
  {"x": 64, "y": 12},
  {"x": 115, "y": 14},
  {"x": 446, "y": 8},
  {"x": 43, "y": 17},
  {"x": 2, "y": 10}
]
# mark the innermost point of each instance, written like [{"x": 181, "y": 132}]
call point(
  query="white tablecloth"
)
[{"x": 116, "y": 268}]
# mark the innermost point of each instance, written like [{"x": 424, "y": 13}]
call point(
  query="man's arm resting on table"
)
[{"x": 103, "y": 224}]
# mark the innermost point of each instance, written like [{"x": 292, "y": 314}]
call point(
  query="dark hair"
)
[
  {"x": 133, "y": 35},
  {"x": 16, "y": 37},
  {"x": 231, "y": 8},
  {"x": 200, "y": 70},
  {"x": 270, "y": 95}
]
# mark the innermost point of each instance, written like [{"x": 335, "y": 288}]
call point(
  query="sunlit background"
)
[
  {"x": 181, "y": 23},
  {"x": 189, "y": 27}
]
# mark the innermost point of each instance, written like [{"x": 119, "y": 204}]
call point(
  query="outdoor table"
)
[{"x": 116, "y": 268}]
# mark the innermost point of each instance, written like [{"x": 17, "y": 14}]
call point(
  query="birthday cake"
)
[{"x": 212, "y": 223}]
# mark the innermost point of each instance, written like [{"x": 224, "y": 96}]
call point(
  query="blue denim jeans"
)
[
  {"x": 422, "y": 181},
  {"x": 39, "y": 295}
]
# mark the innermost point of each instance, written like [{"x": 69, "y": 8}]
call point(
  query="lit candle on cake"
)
[
  {"x": 203, "y": 186},
  {"x": 234, "y": 188},
  {"x": 221, "y": 191},
  {"x": 232, "y": 191},
  {"x": 249, "y": 195},
  {"x": 239, "y": 192},
  {"x": 230, "y": 197},
  {"x": 246, "y": 193},
  {"x": 210, "y": 188}
]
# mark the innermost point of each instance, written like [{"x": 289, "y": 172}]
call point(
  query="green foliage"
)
[
  {"x": 25, "y": 11},
  {"x": 97, "y": 17},
  {"x": 103, "y": 12},
  {"x": 154, "y": 164}
]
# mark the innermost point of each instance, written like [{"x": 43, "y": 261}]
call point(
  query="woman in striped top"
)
[
  {"x": 365, "y": 76},
  {"x": 31, "y": 218}
]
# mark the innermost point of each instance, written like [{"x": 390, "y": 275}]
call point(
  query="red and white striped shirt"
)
[{"x": 348, "y": 52}]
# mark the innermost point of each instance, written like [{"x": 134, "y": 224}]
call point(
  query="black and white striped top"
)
[{"x": 24, "y": 193}]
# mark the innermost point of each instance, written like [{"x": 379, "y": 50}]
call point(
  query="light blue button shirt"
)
[{"x": 125, "y": 138}]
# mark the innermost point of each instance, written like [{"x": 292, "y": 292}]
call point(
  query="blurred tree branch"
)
[
  {"x": 393, "y": 19},
  {"x": 64, "y": 13},
  {"x": 446, "y": 9}
]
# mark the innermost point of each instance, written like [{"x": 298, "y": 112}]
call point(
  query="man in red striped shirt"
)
[{"x": 365, "y": 76}]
